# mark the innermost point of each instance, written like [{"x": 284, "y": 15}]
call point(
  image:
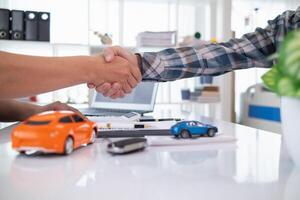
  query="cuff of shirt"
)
[{"x": 151, "y": 68}]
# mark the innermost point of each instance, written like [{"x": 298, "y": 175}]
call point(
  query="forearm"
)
[
  {"x": 251, "y": 50},
  {"x": 22, "y": 75},
  {"x": 212, "y": 59},
  {"x": 12, "y": 110}
]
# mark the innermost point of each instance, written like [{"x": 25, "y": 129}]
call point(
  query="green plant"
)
[{"x": 284, "y": 77}]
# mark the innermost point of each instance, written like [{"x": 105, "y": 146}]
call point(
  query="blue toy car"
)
[{"x": 187, "y": 129}]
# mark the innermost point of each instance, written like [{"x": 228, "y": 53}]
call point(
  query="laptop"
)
[{"x": 141, "y": 100}]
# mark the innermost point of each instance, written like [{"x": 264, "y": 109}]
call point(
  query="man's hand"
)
[
  {"x": 13, "y": 110},
  {"x": 115, "y": 90},
  {"x": 57, "y": 106},
  {"x": 119, "y": 70}
]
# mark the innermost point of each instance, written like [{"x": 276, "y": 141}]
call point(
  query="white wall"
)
[{"x": 242, "y": 9}]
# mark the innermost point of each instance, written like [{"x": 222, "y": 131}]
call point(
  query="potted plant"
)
[{"x": 284, "y": 80}]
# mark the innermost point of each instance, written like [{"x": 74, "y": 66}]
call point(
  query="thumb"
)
[
  {"x": 108, "y": 54},
  {"x": 124, "y": 53}
]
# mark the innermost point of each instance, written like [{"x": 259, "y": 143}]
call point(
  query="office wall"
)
[{"x": 245, "y": 18}]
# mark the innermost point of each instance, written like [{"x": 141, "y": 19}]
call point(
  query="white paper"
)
[{"x": 172, "y": 141}]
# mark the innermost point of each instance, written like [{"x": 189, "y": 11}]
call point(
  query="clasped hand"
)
[{"x": 121, "y": 76}]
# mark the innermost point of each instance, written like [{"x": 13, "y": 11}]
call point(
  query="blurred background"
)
[{"x": 84, "y": 27}]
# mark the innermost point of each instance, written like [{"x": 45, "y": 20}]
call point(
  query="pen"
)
[
  {"x": 169, "y": 119},
  {"x": 159, "y": 120},
  {"x": 122, "y": 126}
]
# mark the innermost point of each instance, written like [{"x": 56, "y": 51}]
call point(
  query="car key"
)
[{"x": 127, "y": 145}]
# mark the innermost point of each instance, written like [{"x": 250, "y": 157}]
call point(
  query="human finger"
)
[
  {"x": 103, "y": 88},
  {"x": 127, "y": 88},
  {"x": 119, "y": 94},
  {"x": 114, "y": 89},
  {"x": 132, "y": 82}
]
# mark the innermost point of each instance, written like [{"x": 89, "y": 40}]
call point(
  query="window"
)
[
  {"x": 192, "y": 124},
  {"x": 77, "y": 118},
  {"x": 199, "y": 124},
  {"x": 37, "y": 123},
  {"x": 104, "y": 17},
  {"x": 246, "y": 16},
  {"x": 123, "y": 20},
  {"x": 65, "y": 119},
  {"x": 143, "y": 16}
]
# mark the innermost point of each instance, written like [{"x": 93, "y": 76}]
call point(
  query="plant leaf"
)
[
  {"x": 286, "y": 87},
  {"x": 271, "y": 78}
]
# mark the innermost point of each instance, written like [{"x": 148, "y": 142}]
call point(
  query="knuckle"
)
[
  {"x": 128, "y": 90},
  {"x": 125, "y": 74},
  {"x": 127, "y": 64},
  {"x": 99, "y": 90}
]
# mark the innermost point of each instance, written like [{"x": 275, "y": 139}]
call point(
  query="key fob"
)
[{"x": 127, "y": 145}]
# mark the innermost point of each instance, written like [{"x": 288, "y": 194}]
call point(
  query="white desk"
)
[{"x": 253, "y": 168}]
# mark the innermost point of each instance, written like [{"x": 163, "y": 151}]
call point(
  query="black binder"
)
[
  {"x": 4, "y": 23},
  {"x": 44, "y": 26},
  {"x": 31, "y": 25},
  {"x": 17, "y": 25}
]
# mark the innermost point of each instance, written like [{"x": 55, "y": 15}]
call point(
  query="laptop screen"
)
[{"x": 141, "y": 98}]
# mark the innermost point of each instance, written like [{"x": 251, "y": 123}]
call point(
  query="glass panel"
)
[
  {"x": 246, "y": 16},
  {"x": 37, "y": 123},
  {"x": 77, "y": 118},
  {"x": 186, "y": 20},
  {"x": 66, "y": 119},
  {"x": 143, "y": 16},
  {"x": 104, "y": 18}
]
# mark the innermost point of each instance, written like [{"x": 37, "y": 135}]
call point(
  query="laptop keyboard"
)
[{"x": 102, "y": 112}]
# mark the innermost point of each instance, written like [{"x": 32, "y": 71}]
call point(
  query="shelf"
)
[
  {"x": 203, "y": 100},
  {"x": 39, "y": 48},
  {"x": 47, "y": 48},
  {"x": 96, "y": 49}
]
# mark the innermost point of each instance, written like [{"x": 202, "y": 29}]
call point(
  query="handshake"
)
[{"x": 121, "y": 76}]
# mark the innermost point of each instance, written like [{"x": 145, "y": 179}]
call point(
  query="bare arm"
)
[
  {"x": 12, "y": 110},
  {"x": 22, "y": 75}
]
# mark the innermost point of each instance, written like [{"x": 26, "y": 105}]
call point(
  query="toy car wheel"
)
[
  {"x": 69, "y": 145},
  {"x": 185, "y": 134},
  {"x": 93, "y": 137},
  {"x": 22, "y": 152},
  {"x": 211, "y": 132}
]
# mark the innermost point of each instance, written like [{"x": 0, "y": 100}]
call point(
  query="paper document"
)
[{"x": 172, "y": 141}]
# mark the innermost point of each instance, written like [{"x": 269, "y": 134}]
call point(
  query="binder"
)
[
  {"x": 44, "y": 26},
  {"x": 17, "y": 25},
  {"x": 31, "y": 25},
  {"x": 4, "y": 23}
]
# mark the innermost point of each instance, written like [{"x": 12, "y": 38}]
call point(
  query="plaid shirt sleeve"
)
[{"x": 215, "y": 59}]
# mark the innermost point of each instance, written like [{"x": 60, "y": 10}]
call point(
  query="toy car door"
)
[
  {"x": 82, "y": 128},
  {"x": 193, "y": 128}
]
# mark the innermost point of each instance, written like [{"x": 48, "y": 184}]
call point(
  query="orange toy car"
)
[{"x": 53, "y": 131}]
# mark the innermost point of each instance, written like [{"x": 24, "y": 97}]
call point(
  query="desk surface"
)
[{"x": 252, "y": 168}]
